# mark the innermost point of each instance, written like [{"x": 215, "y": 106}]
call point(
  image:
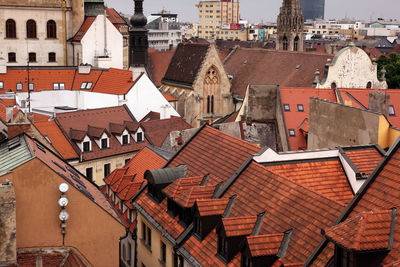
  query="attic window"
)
[
  {"x": 391, "y": 111},
  {"x": 300, "y": 108},
  {"x": 31, "y": 87},
  {"x": 286, "y": 107},
  {"x": 125, "y": 139},
  {"x": 292, "y": 132},
  {"x": 19, "y": 86},
  {"x": 86, "y": 146},
  {"x": 139, "y": 137},
  {"x": 86, "y": 85},
  {"x": 104, "y": 143}
]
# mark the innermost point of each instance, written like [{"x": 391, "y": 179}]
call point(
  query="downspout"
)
[{"x": 64, "y": 7}]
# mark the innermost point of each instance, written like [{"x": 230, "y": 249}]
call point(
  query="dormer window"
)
[
  {"x": 197, "y": 225},
  {"x": 19, "y": 86},
  {"x": 86, "y": 146},
  {"x": 104, "y": 143},
  {"x": 286, "y": 107},
  {"x": 223, "y": 246},
  {"x": 125, "y": 139},
  {"x": 139, "y": 137}
]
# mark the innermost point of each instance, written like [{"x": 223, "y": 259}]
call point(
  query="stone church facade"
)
[
  {"x": 197, "y": 79},
  {"x": 290, "y": 27}
]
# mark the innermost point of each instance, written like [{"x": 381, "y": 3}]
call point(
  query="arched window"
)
[
  {"x": 51, "y": 29},
  {"x": 32, "y": 57},
  {"x": 211, "y": 88},
  {"x": 369, "y": 85},
  {"x": 296, "y": 44},
  {"x": 31, "y": 29},
  {"x": 52, "y": 57},
  {"x": 333, "y": 86},
  {"x": 11, "y": 30},
  {"x": 285, "y": 43}
]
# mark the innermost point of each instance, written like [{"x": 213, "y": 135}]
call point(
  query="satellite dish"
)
[
  {"x": 63, "y": 187},
  {"x": 63, "y": 216},
  {"x": 63, "y": 201}
]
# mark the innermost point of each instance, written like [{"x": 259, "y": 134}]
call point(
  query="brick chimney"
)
[
  {"x": 8, "y": 223},
  {"x": 379, "y": 102}
]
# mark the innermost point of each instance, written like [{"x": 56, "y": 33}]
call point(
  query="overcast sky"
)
[{"x": 266, "y": 10}]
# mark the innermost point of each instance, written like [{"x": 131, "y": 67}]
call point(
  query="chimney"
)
[
  {"x": 8, "y": 229},
  {"x": 379, "y": 102},
  {"x": 84, "y": 69}
]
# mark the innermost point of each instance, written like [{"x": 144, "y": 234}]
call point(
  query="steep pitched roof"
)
[
  {"x": 186, "y": 64},
  {"x": 83, "y": 29},
  {"x": 158, "y": 64},
  {"x": 115, "y": 18},
  {"x": 284, "y": 68},
  {"x": 210, "y": 207},
  {"x": 365, "y": 159},
  {"x": 265, "y": 245},
  {"x": 238, "y": 226}
]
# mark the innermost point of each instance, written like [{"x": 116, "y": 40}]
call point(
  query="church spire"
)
[
  {"x": 138, "y": 37},
  {"x": 290, "y": 26}
]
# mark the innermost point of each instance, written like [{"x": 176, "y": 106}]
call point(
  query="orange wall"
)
[{"x": 90, "y": 229}]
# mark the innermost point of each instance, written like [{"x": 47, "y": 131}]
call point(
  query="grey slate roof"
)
[{"x": 13, "y": 153}]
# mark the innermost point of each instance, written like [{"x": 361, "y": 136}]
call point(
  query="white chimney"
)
[{"x": 84, "y": 69}]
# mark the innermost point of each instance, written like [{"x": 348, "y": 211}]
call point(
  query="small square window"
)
[
  {"x": 31, "y": 87},
  {"x": 292, "y": 132},
  {"x": 12, "y": 57},
  {"x": 19, "y": 86},
  {"x": 104, "y": 143},
  {"x": 300, "y": 107},
  {"x": 1, "y": 85},
  {"x": 391, "y": 111},
  {"x": 286, "y": 107}
]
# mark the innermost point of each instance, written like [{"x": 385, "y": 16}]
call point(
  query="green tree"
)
[{"x": 392, "y": 67}]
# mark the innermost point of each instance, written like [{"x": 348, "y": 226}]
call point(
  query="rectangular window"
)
[
  {"x": 292, "y": 132},
  {"x": 1, "y": 85},
  {"x": 392, "y": 111},
  {"x": 32, "y": 57},
  {"x": 107, "y": 168},
  {"x": 127, "y": 160},
  {"x": 83, "y": 86},
  {"x": 286, "y": 107},
  {"x": 139, "y": 137},
  {"x": 163, "y": 252},
  {"x": 56, "y": 86},
  {"x": 31, "y": 87},
  {"x": 89, "y": 173},
  {"x": 300, "y": 107},
  {"x": 125, "y": 139},
  {"x": 62, "y": 86},
  {"x": 104, "y": 143},
  {"x": 86, "y": 146},
  {"x": 52, "y": 57},
  {"x": 12, "y": 57},
  {"x": 19, "y": 86}
]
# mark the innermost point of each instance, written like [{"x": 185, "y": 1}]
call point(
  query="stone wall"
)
[{"x": 8, "y": 230}]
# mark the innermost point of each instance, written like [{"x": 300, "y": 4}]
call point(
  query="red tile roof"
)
[
  {"x": 365, "y": 160},
  {"x": 83, "y": 29},
  {"x": 264, "y": 245},
  {"x": 158, "y": 64},
  {"x": 181, "y": 185},
  {"x": 239, "y": 226},
  {"x": 371, "y": 230},
  {"x": 108, "y": 83},
  {"x": 51, "y": 130},
  {"x": 158, "y": 130},
  {"x": 114, "y": 17},
  {"x": 211, "y": 207},
  {"x": 187, "y": 198},
  {"x": 169, "y": 97},
  {"x": 325, "y": 177},
  {"x": 284, "y": 68},
  {"x": 3, "y": 111}
]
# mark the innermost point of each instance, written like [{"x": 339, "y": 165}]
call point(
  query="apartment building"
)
[{"x": 220, "y": 20}]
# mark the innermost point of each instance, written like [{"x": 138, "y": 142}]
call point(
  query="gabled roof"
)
[
  {"x": 83, "y": 29},
  {"x": 284, "y": 68},
  {"x": 187, "y": 199},
  {"x": 265, "y": 245},
  {"x": 239, "y": 226},
  {"x": 211, "y": 207},
  {"x": 364, "y": 158},
  {"x": 158, "y": 64},
  {"x": 115, "y": 18},
  {"x": 181, "y": 185},
  {"x": 185, "y": 64},
  {"x": 371, "y": 230}
]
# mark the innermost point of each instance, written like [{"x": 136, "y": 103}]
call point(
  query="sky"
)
[{"x": 267, "y": 10}]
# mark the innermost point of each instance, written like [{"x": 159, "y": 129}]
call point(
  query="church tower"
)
[
  {"x": 138, "y": 38},
  {"x": 290, "y": 27}
]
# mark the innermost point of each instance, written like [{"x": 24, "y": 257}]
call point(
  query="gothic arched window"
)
[
  {"x": 51, "y": 29},
  {"x": 11, "y": 29},
  {"x": 211, "y": 86},
  {"x": 31, "y": 29},
  {"x": 285, "y": 43},
  {"x": 296, "y": 44}
]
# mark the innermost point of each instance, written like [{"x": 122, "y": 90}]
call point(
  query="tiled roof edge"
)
[
  {"x": 189, "y": 257},
  {"x": 356, "y": 199},
  {"x": 351, "y": 164}
]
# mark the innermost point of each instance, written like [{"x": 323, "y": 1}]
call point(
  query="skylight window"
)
[
  {"x": 19, "y": 86},
  {"x": 31, "y": 87},
  {"x": 58, "y": 86},
  {"x": 392, "y": 111},
  {"x": 86, "y": 85},
  {"x": 292, "y": 132},
  {"x": 286, "y": 107},
  {"x": 300, "y": 107},
  {"x": 1, "y": 85}
]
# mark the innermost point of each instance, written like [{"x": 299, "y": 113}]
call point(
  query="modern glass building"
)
[{"x": 313, "y": 9}]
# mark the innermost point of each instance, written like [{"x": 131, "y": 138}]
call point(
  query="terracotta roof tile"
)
[
  {"x": 114, "y": 17},
  {"x": 84, "y": 28},
  {"x": 239, "y": 226},
  {"x": 187, "y": 198},
  {"x": 158, "y": 64},
  {"x": 365, "y": 160},
  {"x": 58, "y": 140},
  {"x": 108, "y": 83},
  {"x": 264, "y": 245},
  {"x": 210, "y": 207},
  {"x": 186, "y": 63},
  {"x": 369, "y": 230},
  {"x": 325, "y": 177},
  {"x": 181, "y": 185},
  {"x": 169, "y": 97}
]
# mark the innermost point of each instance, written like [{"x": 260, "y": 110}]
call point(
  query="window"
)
[
  {"x": 210, "y": 104},
  {"x": 31, "y": 29},
  {"x": 89, "y": 173},
  {"x": 369, "y": 85},
  {"x": 31, "y": 87},
  {"x": 104, "y": 143},
  {"x": 32, "y": 57},
  {"x": 197, "y": 225},
  {"x": 1, "y": 85},
  {"x": 51, "y": 29},
  {"x": 19, "y": 86},
  {"x": 146, "y": 235},
  {"x": 286, "y": 107},
  {"x": 392, "y": 111},
  {"x": 333, "y": 86},
  {"x": 11, "y": 29},
  {"x": 58, "y": 86},
  {"x": 292, "y": 132},
  {"x": 125, "y": 139},
  {"x": 107, "y": 168},
  {"x": 12, "y": 57},
  {"x": 300, "y": 107},
  {"x": 285, "y": 43},
  {"x": 52, "y": 57},
  {"x": 86, "y": 146},
  {"x": 222, "y": 246},
  {"x": 86, "y": 85},
  {"x": 296, "y": 43},
  {"x": 127, "y": 160},
  {"x": 139, "y": 137},
  {"x": 163, "y": 252}
]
